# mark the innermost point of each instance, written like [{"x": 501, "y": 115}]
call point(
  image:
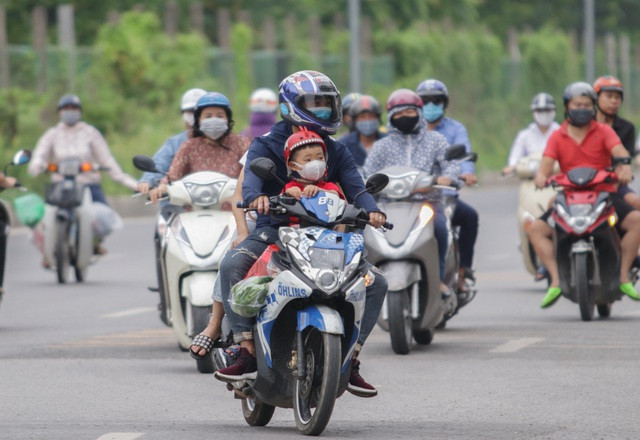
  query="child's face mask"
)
[{"x": 312, "y": 171}]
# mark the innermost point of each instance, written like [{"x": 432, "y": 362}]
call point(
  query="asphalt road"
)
[{"x": 93, "y": 361}]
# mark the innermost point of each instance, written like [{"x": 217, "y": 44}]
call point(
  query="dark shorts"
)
[
  {"x": 620, "y": 206},
  {"x": 623, "y": 190}
]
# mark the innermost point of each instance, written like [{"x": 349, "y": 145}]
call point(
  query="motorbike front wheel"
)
[
  {"x": 315, "y": 394},
  {"x": 200, "y": 318},
  {"x": 400, "y": 322},
  {"x": 256, "y": 413},
  {"x": 62, "y": 250},
  {"x": 585, "y": 299},
  {"x": 604, "y": 310}
]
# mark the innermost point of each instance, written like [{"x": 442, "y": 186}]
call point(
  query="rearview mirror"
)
[
  {"x": 21, "y": 157},
  {"x": 264, "y": 168},
  {"x": 376, "y": 183},
  {"x": 459, "y": 152},
  {"x": 145, "y": 163}
]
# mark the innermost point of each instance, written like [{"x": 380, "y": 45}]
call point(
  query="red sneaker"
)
[
  {"x": 357, "y": 385},
  {"x": 244, "y": 368}
]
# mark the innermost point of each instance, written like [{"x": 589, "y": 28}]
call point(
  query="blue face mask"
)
[
  {"x": 323, "y": 113},
  {"x": 432, "y": 112},
  {"x": 368, "y": 127}
]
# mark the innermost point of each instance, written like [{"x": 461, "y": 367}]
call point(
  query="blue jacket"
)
[
  {"x": 164, "y": 156},
  {"x": 340, "y": 167},
  {"x": 456, "y": 133},
  {"x": 352, "y": 142}
]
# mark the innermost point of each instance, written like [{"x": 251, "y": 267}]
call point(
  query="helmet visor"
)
[{"x": 325, "y": 107}]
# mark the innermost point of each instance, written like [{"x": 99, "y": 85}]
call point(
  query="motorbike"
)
[
  {"x": 408, "y": 257},
  {"x": 20, "y": 158},
  {"x": 532, "y": 203},
  {"x": 191, "y": 244},
  {"x": 587, "y": 244},
  {"x": 307, "y": 331}
]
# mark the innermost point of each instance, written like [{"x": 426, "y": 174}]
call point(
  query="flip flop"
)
[{"x": 202, "y": 341}]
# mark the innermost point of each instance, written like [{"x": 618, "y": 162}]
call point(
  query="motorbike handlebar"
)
[{"x": 388, "y": 225}]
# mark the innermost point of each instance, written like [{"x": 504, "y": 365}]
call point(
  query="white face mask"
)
[
  {"x": 312, "y": 171},
  {"x": 544, "y": 119},
  {"x": 187, "y": 117},
  {"x": 214, "y": 128},
  {"x": 70, "y": 117}
]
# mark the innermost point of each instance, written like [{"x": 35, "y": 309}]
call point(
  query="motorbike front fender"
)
[
  {"x": 198, "y": 287},
  {"x": 400, "y": 274},
  {"x": 324, "y": 318}
]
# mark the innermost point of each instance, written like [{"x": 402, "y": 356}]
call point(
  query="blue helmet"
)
[
  {"x": 212, "y": 99},
  {"x": 310, "y": 99},
  {"x": 431, "y": 88}
]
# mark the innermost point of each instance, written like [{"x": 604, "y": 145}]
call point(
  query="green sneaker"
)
[
  {"x": 630, "y": 291},
  {"x": 553, "y": 293}
]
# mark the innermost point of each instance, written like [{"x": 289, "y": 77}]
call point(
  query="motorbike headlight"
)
[
  {"x": 580, "y": 209},
  {"x": 204, "y": 195},
  {"x": 399, "y": 188},
  {"x": 332, "y": 259},
  {"x": 426, "y": 214},
  {"x": 327, "y": 280}
]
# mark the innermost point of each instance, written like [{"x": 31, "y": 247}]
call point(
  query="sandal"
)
[{"x": 202, "y": 341}]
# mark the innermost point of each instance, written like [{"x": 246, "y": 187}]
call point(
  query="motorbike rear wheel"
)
[
  {"x": 585, "y": 298},
  {"x": 255, "y": 412},
  {"x": 604, "y": 310},
  {"x": 62, "y": 250},
  {"x": 400, "y": 322},
  {"x": 319, "y": 388}
]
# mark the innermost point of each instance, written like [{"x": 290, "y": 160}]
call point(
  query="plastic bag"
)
[
  {"x": 249, "y": 295},
  {"x": 259, "y": 268},
  {"x": 29, "y": 209},
  {"x": 105, "y": 220}
]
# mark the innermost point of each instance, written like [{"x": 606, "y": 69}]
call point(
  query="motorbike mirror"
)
[
  {"x": 145, "y": 163},
  {"x": 265, "y": 169},
  {"x": 376, "y": 183},
  {"x": 455, "y": 152},
  {"x": 21, "y": 157}
]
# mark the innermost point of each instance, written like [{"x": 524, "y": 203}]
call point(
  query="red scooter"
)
[{"x": 586, "y": 242}]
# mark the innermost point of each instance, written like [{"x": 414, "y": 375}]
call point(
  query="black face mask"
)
[
  {"x": 406, "y": 124},
  {"x": 580, "y": 116}
]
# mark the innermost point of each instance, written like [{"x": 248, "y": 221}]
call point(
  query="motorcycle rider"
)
[
  {"x": 307, "y": 99},
  {"x": 435, "y": 99},
  {"x": 72, "y": 137},
  {"x": 347, "y": 102},
  {"x": 164, "y": 156},
  {"x": 263, "y": 104},
  {"x": 365, "y": 114},
  {"x": 408, "y": 143},
  {"x": 582, "y": 142},
  {"x": 610, "y": 95},
  {"x": 534, "y": 138}
]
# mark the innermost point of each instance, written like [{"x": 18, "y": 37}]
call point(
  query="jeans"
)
[
  {"x": 97, "y": 194},
  {"x": 466, "y": 217},
  {"x": 440, "y": 231},
  {"x": 239, "y": 260}
]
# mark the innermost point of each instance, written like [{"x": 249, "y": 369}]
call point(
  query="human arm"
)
[
  {"x": 178, "y": 169},
  {"x": 42, "y": 153},
  {"x": 518, "y": 151},
  {"x": 6, "y": 181},
  {"x": 450, "y": 171},
  {"x": 238, "y": 213},
  {"x": 461, "y": 136},
  {"x": 623, "y": 171},
  {"x": 544, "y": 171},
  {"x": 252, "y": 186},
  {"x": 105, "y": 159},
  {"x": 162, "y": 159}
]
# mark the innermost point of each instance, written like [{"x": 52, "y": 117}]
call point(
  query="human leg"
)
[
  {"x": 440, "y": 231},
  {"x": 541, "y": 236},
  {"x": 465, "y": 217},
  {"x": 629, "y": 219}
]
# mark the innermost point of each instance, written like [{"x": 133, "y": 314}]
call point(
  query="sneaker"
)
[
  {"x": 553, "y": 293},
  {"x": 630, "y": 291},
  {"x": 245, "y": 367},
  {"x": 357, "y": 385}
]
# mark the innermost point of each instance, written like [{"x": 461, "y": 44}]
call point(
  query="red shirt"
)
[
  {"x": 593, "y": 152},
  {"x": 327, "y": 186}
]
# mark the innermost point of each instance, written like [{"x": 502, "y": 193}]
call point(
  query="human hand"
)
[
  {"x": 377, "y": 219},
  {"x": 470, "y": 179},
  {"x": 508, "y": 170},
  {"x": 7, "y": 182},
  {"x": 540, "y": 181},
  {"x": 442, "y": 180},
  {"x": 143, "y": 187},
  {"x": 625, "y": 175},
  {"x": 294, "y": 191},
  {"x": 158, "y": 192},
  {"x": 310, "y": 190},
  {"x": 261, "y": 203},
  {"x": 239, "y": 239}
]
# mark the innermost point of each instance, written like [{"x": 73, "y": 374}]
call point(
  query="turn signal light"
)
[
  {"x": 613, "y": 219},
  {"x": 85, "y": 167},
  {"x": 52, "y": 167}
]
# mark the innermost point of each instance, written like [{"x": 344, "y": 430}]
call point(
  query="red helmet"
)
[
  {"x": 609, "y": 83},
  {"x": 302, "y": 138},
  {"x": 404, "y": 97}
]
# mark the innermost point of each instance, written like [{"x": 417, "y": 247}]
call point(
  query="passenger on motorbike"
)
[
  {"x": 307, "y": 99},
  {"x": 435, "y": 99},
  {"x": 610, "y": 95},
  {"x": 408, "y": 143},
  {"x": 164, "y": 156},
  {"x": 263, "y": 105},
  {"x": 583, "y": 142},
  {"x": 534, "y": 138},
  {"x": 365, "y": 113},
  {"x": 347, "y": 102}
]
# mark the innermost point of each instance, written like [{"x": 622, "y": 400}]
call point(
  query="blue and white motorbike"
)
[{"x": 307, "y": 331}]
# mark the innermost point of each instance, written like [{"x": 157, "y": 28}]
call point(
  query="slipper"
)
[
  {"x": 630, "y": 291},
  {"x": 553, "y": 293},
  {"x": 202, "y": 341}
]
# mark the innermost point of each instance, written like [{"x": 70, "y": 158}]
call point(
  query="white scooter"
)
[{"x": 192, "y": 246}]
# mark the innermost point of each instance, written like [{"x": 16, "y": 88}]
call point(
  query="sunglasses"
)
[{"x": 435, "y": 99}]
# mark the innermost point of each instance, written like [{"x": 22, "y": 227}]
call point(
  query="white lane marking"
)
[
  {"x": 515, "y": 344},
  {"x": 121, "y": 436},
  {"x": 130, "y": 312}
]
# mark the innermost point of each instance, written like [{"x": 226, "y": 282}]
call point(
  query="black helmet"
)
[
  {"x": 543, "y": 101},
  {"x": 365, "y": 103},
  {"x": 579, "y": 89},
  {"x": 69, "y": 99}
]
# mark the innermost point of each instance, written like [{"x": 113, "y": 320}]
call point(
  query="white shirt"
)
[{"x": 530, "y": 140}]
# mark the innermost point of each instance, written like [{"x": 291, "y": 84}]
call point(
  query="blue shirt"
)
[
  {"x": 353, "y": 144},
  {"x": 164, "y": 156},
  {"x": 456, "y": 133}
]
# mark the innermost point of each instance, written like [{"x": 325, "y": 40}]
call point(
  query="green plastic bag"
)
[
  {"x": 249, "y": 295},
  {"x": 29, "y": 209}
]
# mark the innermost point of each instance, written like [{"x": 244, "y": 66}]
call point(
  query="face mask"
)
[
  {"x": 406, "y": 124},
  {"x": 70, "y": 117},
  {"x": 432, "y": 112},
  {"x": 312, "y": 171},
  {"x": 214, "y": 128},
  {"x": 187, "y": 117},
  {"x": 367, "y": 128},
  {"x": 580, "y": 116},
  {"x": 323, "y": 113},
  {"x": 544, "y": 119}
]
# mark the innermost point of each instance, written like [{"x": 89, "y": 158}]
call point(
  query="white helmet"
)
[
  {"x": 263, "y": 101},
  {"x": 190, "y": 97}
]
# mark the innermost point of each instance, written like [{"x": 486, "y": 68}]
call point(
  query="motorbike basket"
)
[{"x": 64, "y": 195}]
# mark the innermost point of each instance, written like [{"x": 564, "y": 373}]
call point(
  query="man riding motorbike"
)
[
  {"x": 582, "y": 142},
  {"x": 365, "y": 114},
  {"x": 307, "y": 99}
]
